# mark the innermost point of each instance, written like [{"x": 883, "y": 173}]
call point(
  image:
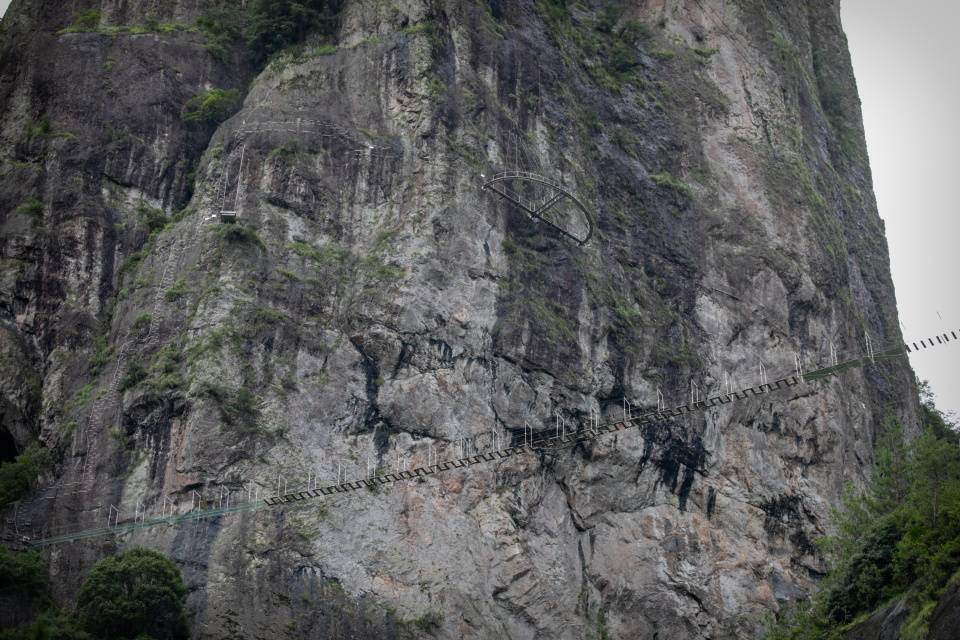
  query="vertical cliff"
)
[{"x": 371, "y": 300}]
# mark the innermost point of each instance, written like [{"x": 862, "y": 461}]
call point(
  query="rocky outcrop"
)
[
  {"x": 937, "y": 621},
  {"x": 885, "y": 624},
  {"x": 946, "y": 615},
  {"x": 372, "y": 301}
]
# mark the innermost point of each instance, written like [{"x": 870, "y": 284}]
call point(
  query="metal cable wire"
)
[{"x": 534, "y": 441}]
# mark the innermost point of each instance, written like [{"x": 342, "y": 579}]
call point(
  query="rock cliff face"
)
[{"x": 372, "y": 301}]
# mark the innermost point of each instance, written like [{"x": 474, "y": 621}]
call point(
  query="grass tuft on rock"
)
[
  {"x": 665, "y": 180},
  {"x": 84, "y": 21},
  {"x": 142, "y": 321},
  {"x": 176, "y": 291},
  {"x": 102, "y": 352},
  {"x": 30, "y": 207}
]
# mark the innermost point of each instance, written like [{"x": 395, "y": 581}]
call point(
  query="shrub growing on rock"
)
[
  {"x": 237, "y": 233},
  {"x": 212, "y": 106},
  {"x": 134, "y": 375},
  {"x": 18, "y": 476}
]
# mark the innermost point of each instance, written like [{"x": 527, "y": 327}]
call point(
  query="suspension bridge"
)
[
  {"x": 510, "y": 185},
  {"x": 474, "y": 451}
]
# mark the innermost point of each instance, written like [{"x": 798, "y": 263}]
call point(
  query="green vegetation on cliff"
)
[
  {"x": 268, "y": 27},
  {"x": 276, "y": 24},
  {"x": 237, "y": 234},
  {"x": 238, "y": 406},
  {"x": 134, "y": 594},
  {"x": 30, "y": 207},
  {"x": 222, "y": 27},
  {"x": 212, "y": 106},
  {"x": 90, "y": 21},
  {"x": 138, "y": 592},
  {"x": 23, "y": 572},
  {"x": 898, "y": 539},
  {"x": 607, "y": 43},
  {"x": 17, "y": 476},
  {"x": 83, "y": 21},
  {"x": 134, "y": 375},
  {"x": 666, "y": 181}
]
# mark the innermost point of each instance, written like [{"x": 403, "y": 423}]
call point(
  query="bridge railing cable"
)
[{"x": 555, "y": 436}]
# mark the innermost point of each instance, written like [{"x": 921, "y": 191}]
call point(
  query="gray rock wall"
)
[{"x": 387, "y": 305}]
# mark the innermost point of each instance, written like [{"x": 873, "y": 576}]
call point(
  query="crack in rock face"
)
[{"x": 371, "y": 305}]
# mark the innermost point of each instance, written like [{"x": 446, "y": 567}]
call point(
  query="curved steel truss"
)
[{"x": 576, "y": 225}]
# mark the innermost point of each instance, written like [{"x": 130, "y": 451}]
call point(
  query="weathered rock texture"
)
[{"x": 386, "y": 303}]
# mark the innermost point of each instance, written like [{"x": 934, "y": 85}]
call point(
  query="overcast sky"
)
[{"x": 906, "y": 62}]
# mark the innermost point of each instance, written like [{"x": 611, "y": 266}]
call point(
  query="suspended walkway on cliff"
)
[{"x": 555, "y": 437}]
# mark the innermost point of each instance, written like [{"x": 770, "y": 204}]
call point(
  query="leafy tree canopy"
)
[
  {"x": 132, "y": 594},
  {"x": 900, "y": 537},
  {"x": 22, "y": 572},
  {"x": 276, "y": 24},
  {"x": 18, "y": 476}
]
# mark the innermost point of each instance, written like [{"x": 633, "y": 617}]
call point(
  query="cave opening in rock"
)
[{"x": 8, "y": 446}]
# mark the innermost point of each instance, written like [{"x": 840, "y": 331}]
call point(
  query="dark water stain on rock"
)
[
  {"x": 785, "y": 516},
  {"x": 677, "y": 460}
]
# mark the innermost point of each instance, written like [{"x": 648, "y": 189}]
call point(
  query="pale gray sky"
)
[{"x": 906, "y": 63}]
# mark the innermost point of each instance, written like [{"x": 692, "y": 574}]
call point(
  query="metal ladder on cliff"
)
[
  {"x": 228, "y": 214},
  {"x": 105, "y": 405}
]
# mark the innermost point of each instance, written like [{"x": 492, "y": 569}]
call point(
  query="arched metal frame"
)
[{"x": 538, "y": 209}]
